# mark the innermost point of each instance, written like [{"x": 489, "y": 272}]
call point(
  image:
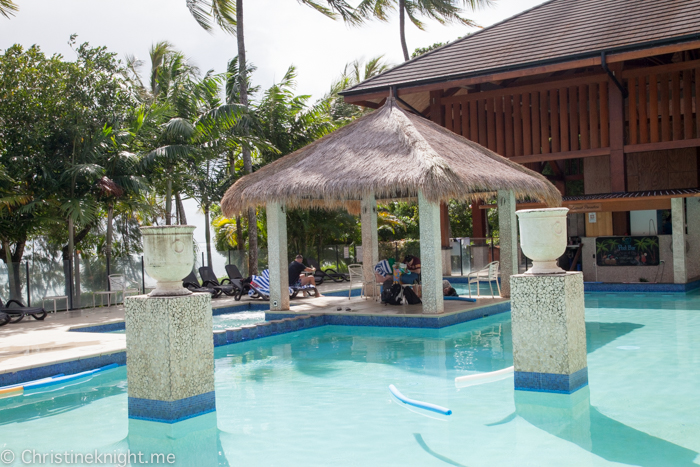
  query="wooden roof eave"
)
[
  {"x": 614, "y": 202},
  {"x": 357, "y": 97}
]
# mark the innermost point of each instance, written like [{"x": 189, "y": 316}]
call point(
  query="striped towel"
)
[
  {"x": 262, "y": 284},
  {"x": 383, "y": 268}
]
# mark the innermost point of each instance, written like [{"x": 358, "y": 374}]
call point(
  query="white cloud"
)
[{"x": 278, "y": 33}]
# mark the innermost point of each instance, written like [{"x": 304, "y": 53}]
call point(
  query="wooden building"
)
[{"x": 601, "y": 96}]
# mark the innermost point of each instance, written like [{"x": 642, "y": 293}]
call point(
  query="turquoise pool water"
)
[{"x": 320, "y": 397}]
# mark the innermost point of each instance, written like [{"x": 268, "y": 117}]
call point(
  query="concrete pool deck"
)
[{"x": 29, "y": 349}]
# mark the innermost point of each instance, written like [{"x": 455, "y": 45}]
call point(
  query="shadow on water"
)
[
  {"x": 600, "y": 334},
  {"x": 572, "y": 418},
  {"x": 426, "y": 448}
]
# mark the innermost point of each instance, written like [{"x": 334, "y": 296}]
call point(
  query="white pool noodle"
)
[{"x": 481, "y": 378}]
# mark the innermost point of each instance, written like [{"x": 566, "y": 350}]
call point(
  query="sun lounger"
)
[
  {"x": 320, "y": 275},
  {"x": 192, "y": 283},
  {"x": 233, "y": 272},
  {"x": 260, "y": 287},
  {"x": 209, "y": 280},
  {"x": 18, "y": 313},
  {"x": 4, "y": 319}
]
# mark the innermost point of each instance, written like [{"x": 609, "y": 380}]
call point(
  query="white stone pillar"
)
[
  {"x": 680, "y": 272},
  {"x": 370, "y": 241},
  {"x": 508, "y": 231},
  {"x": 549, "y": 332},
  {"x": 430, "y": 255},
  {"x": 170, "y": 357},
  {"x": 277, "y": 256},
  {"x": 692, "y": 206}
]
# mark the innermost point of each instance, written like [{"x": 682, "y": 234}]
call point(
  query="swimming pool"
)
[{"x": 320, "y": 397}]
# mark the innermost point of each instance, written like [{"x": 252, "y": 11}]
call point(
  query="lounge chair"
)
[
  {"x": 320, "y": 275},
  {"x": 209, "y": 280},
  {"x": 260, "y": 287},
  {"x": 233, "y": 272},
  {"x": 4, "y": 319},
  {"x": 488, "y": 273},
  {"x": 16, "y": 314},
  {"x": 192, "y": 283}
]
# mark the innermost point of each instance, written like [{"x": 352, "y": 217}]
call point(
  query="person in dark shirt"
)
[
  {"x": 413, "y": 265},
  {"x": 296, "y": 267}
]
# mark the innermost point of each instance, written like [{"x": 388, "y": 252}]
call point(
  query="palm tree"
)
[
  {"x": 7, "y": 8},
  {"x": 354, "y": 73},
  {"x": 443, "y": 11},
  {"x": 230, "y": 18}
]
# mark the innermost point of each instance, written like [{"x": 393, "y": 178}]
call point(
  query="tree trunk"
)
[
  {"x": 13, "y": 270},
  {"x": 207, "y": 233},
  {"x": 168, "y": 202},
  {"x": 240, "y": 244},
  {"x": 76, "y": 262},
  {"x": 181, "y": 209},
  {"x": 71, "y": 270},
  {"x": 402, "y": 27},
  {"x": 108, "y": 242},
  {"x": 247, "y": 161}
]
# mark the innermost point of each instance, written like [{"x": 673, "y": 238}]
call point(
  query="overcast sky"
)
[{"x": 278, "y": 33}]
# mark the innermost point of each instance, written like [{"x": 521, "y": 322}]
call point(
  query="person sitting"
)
[
  {"x": 384, "y": 270},
  {"x": 413, "y": 266},
  {"x": 448, "y": 290},
  {"x": 297, "y": 267}
]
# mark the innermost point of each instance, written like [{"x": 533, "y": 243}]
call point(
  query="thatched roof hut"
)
[{"x": 393, "y": 154}]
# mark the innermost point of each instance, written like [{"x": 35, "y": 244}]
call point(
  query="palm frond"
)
[{"x": 8, "y": 8}]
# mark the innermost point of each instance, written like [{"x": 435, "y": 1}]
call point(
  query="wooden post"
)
[
  {"x": 478, "y": 220},
  {"x": 617, "y": 136},
  {"x": 437, "y": 115}
]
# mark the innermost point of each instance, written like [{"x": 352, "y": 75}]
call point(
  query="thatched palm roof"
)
[{"x": 393, "y": 154}]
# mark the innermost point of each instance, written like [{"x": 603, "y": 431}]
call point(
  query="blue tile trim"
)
[
  {"x": 120, "y": 326},
  {"x": 171, "y": 411},
  {"x": 282, "y": 323},
  {"x": 640, "y": 287},
  {"x": 551, "y": 382},
  {"x": 399, "y": 321},
  {"x": 67, "y": 368}
]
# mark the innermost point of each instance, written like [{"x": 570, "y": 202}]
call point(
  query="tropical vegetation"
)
[{"x": 93, "y": 147}]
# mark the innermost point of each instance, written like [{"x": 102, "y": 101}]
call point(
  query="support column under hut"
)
[
  {"x": 277, "y": 256},
  {"x": 431, "y": 255},
  {"x": 370, "y": 241},
  {"x": 508, "y": 231}
]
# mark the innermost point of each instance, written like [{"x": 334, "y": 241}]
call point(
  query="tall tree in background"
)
[
  {"x": 354, "y": 73},
  {"x": 442, "y": 11},
  {"x": 230, "y": 18}
]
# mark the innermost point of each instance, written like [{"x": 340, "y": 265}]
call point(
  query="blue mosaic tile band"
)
[
  {"x": 171, "y": 411},
  {"x": 551, "y": 382},
  {"x": 111, "y": 327},
  {"x": 67, "y": 368},
  {"x": 640, "y": 287},
  {"x": 404, "y": 321}
]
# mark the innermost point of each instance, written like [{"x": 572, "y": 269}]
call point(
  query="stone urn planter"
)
[
  {"x": 543, "y": 238},
  {"x": 168, "y": 257}
]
